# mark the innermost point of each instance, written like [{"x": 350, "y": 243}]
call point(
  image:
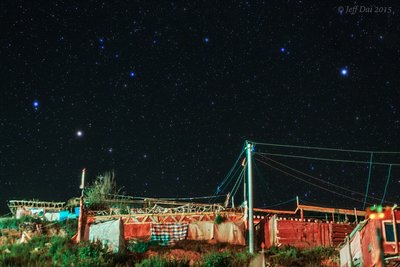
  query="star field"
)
[{"x": 166, "y": 94}]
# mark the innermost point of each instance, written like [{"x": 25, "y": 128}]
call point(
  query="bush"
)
[
  {"x": 139, "y": 247},
  {"x": 291, "y": 256},
  {"x": 70, "y": 226},
  {"x": 317, "y": 254},
  {"x": 241, "y": 259},
  {"x": 162, "y": 262},
  {"x": 226, "y": 258},
  {"x": 55, "y": 251},
  {"x": 96, "y": 193},
  {"x": 219, "y": 219},
  {"x": 215, "y": 259},
  {"x": 13, "y": 223},
  {"x": 9, "y": 223}
]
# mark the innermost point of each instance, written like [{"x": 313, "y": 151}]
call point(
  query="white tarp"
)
[
  {"x": 201, "y": 231},
  {"x": 52, "y": 216},
  {"x": 230, "y": 232},
  {"x": 21, "y": 212},
  {"x": 109, "y": 233},
  {"x": 354, "y": 249},
  {"x": 226, "y": 232}
]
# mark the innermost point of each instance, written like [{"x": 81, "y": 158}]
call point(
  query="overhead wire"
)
[
  {"x": 191, "y": 198},
  {"x": 387, "y": 182},
  {"x": 230, "y": 171},
  {"x": 369, "y": 179},
  {"x": 231, "y": 178},
  {"x": 308, "y": 182},
  {"x": 257, "y": 171},
  {"x": 326, "y": 148},
  {"x": 318, "y": 179},
  {"x": 280, "y": 203},
  {"x": 237, "y": 184},
  {"x": 326, "y": 159}
]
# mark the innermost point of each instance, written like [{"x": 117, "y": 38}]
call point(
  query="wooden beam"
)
[
  {"x": 312, "y": 208},
  {"x": 205, "y": 216},
  {"x": 275, "y": 211},
  {"x": 330, "y": 210}
]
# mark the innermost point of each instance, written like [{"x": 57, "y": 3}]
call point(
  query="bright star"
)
[
  {"x": 79, "y": 133},
  {"x": 282, "y": 49},
  {"x": 35, "y": 104},
  {"x": 206, "y": 39},
  {"x": 132, "y": 74},
  {"x": 344, "y": 71}
]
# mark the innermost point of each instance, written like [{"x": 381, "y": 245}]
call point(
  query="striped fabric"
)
[{"x": 168, "y": 233}]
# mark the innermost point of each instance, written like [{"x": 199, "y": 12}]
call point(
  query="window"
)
[{"x": 389, "y": 233}]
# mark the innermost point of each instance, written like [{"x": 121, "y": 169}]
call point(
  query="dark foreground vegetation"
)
[{"x": 52, "y": 246}]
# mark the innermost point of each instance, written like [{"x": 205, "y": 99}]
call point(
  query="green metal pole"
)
[{"x": 250, "y": 197}]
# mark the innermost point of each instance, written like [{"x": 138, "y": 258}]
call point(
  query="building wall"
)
[
  {"x": 304, "y": 234},
  {"x": 369, "y": 243}
]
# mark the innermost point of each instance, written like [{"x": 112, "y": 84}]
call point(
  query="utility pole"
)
[
  {"x": 249, "y": 147},
  {"x": 245, "y": 188}
]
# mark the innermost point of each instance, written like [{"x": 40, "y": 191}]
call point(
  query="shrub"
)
[
  {"x": 70, "y": 226},
  {"x": 162, "y": 262},
  {"x": 317, "y": 254},
  {"x": 241, "y": 259},
  {"x": 13, "y": 223},
  {"x": 216, "y": 259},
  {"x": 291, "y": 256},
  {"x": 286, "y": 256},
  {"x": 96, "y": 193},
  {"x": 55, "y": 251},
  {"x": 139, "y": 247},
  {"x": 219, "y": 219},
  {"x": 9, "y": 223}
]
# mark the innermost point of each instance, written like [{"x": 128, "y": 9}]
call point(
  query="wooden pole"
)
[
  {"x": 395, "y": 229},
  {"x": 355, "y": 215},
  {"x": 349, "y": 246},
  {"x": 80, "y": 218}
]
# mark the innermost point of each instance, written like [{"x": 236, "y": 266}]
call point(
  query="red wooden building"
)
[
  {"x": 284, "y": 228},
  {"x": 304, "y": 234},
  {"x": 374, "y": 242}
]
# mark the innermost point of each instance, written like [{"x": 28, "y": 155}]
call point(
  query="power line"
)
[
  {"x": 262, "y": 176},
  {"x": 230, "y": 171},
  {"x": 191, "y": 198},
  {"x": 240, "y": 178},
  {"x": 327, "y": 149},
  {"x": 231, "y": 178},
  {"x": 387, "y": 182},
  {"x": 281, "y": 203},
  {"x": 369, "y": 179},
  {"x": 315, "y": 178},
  {"x": 326, "y": 159},
  {"x": 298, "y": 178}
]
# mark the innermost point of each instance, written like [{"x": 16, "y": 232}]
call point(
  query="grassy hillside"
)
[{"x": 51, "y": 245}]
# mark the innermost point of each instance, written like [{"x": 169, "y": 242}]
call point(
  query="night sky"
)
[{"x": 166, "y": 94}]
